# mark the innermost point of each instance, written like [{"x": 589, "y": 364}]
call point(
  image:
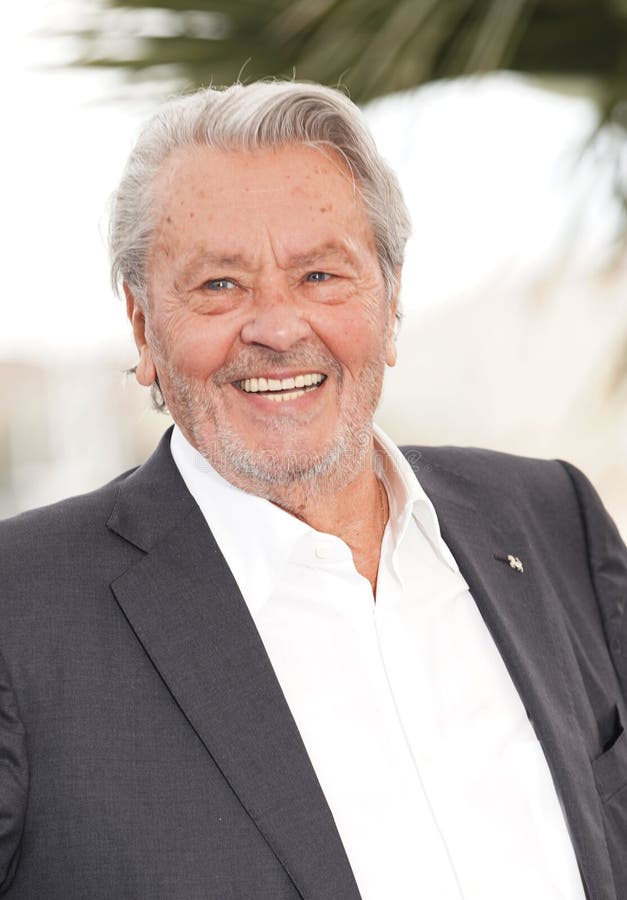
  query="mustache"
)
[{"x": 252, "y": 360}]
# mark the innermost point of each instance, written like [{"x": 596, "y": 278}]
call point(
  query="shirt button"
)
[{"x": 324, "y": 551}]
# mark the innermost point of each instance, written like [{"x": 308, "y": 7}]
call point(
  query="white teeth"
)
[
  {"x": 290, "y": 395},
  {"x": 285, "y": 385}
]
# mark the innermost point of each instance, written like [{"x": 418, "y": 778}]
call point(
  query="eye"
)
[
  {"x": 318, "y": 277},
  {"x": 220, "y": 284}
]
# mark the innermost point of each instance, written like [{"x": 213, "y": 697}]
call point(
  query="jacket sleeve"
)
[
  {"x": 13, "y": 780},
  {"x": 607, "y": 555}
]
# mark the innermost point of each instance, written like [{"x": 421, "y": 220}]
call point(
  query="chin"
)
[{"x": 287, "y": 465}]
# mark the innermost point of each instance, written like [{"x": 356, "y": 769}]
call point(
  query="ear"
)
[
  {"x": 146, "y": 371},
  {"x": 391, "y": 354}
]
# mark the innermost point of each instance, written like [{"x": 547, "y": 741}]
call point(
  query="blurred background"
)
[{"x": 506, "y": 123}]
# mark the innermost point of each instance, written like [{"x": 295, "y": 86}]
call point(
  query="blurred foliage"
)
[{"x": 373, "y": 47}]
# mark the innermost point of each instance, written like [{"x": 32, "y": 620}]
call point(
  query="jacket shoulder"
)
[
  {"x": 544, "y": 495},
  {"x": 488, "y": 467},
  {"x": 69, "y": 510},
  {"x": 50, "y": 533}
]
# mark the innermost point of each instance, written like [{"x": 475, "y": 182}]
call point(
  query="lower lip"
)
[{"x": 266, "y": 403}]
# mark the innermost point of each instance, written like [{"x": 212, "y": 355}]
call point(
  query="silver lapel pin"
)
[{"x": 513, "y": 561}]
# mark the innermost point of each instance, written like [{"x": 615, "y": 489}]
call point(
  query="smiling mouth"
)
[{"x": 279, "y": 389}]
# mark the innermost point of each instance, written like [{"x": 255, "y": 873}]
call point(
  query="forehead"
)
[
  {"x": 294, "y": 185},
  {"x": 295, "y": 166}
]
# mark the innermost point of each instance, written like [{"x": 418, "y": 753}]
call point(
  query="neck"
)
[{"x": 357, "y": 513}]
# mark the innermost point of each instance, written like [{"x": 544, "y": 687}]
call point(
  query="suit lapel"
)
[
  {"x": 186, "y": 610},
  {"x": 520, "y": 610}
]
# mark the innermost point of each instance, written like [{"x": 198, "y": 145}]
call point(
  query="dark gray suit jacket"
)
[{"x": 146, "y": 749}]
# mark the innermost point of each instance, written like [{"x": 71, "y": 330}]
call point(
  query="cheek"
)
[
  {"x": 196, "y": 347},
  {"x": 354, "y": 341}
]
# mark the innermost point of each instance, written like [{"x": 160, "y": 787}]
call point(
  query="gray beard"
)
[
  {"x": 286, "y": 478},
  {"x": 275, "y": 475}
]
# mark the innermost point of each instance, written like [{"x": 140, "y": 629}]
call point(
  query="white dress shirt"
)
[{"x": 430, "y": 766}]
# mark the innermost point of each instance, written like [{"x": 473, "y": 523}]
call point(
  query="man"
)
[{"x": 279, "y": 659}]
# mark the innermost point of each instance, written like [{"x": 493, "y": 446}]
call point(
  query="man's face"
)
[{"x": 267, "y": 322}]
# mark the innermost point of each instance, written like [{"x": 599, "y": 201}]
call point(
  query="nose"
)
[{"x": 276, "y": 320}]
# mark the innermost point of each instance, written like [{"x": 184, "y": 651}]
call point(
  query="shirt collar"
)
[
  {"x": 258, "y": 539},
  {"x": 407, "y": 498}
]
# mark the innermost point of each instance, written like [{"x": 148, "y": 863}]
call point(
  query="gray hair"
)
[{"x": 248, "y": 117}]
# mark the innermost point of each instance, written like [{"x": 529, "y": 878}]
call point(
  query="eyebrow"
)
[
  {"x": 328, "y": 249},
  {"x": 232, "y": 260}
]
